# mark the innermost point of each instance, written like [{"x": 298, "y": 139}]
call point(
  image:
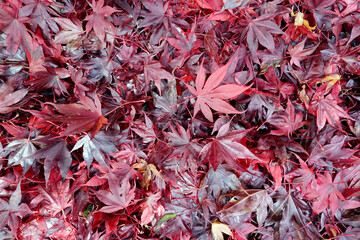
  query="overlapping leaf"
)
[
  {"x": 284, "y": 165},
  {"x": 210, "y": 95},
  {"x": 327, "y": 109},
  {"x": 97, "y": 21},
  {"x": 120, "y": 196},
  {"x": 86, "y": 116},
  {"x": 55, "y": 154},
  {"x": 11, "y": 210},
  {"x": 95, "y": 148},
  {"x": 295, "y": 217},
  {"x": 9, "y": 97},
  {"x": 260, "y": 30},
  {"x": 226, "y": 147}
]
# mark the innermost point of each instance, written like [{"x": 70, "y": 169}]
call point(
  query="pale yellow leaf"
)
[
  {"x": 331, "y": 79},
  {"x": 299, "y": 19},
  {"x": 217, "y": 230}
]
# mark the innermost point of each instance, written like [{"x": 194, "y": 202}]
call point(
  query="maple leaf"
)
[
  {"x": 355, "y": 31},
  {"x": 218, "y": 182},
  {"x": 210, "y": 4},
  {"x": 20, "y": 150},
  {"x": 185, "y": 43},
  {"x": 174, "y": 174},
  {"x": 345, "y": 57},
  {"x": 153, "y": 207},
  {"x": 97, "y": 20},
  {"x": 295, "y": 217},
  {"x": 303, "y": 176},
  {"x": 164, "y": 105},
  {"x": 120, "y": 196},
  {"x": 154, "y": 71},
  {"x": 50, "y": 79},
  {"x": 320, "y": 11},
  {"x": 160, "y": 20},
  {"x": 260, "y": 104},
  {"x": 275, "y": 85},
  {"x": 329, "y": 193},
  {"x": 9, "y": 98},
  {"x": 225, "y": 147},
  {"x": 176, "y": 225},
  {"x": 12, "y": 20},
  {"x": 286, "y": 121},
  {"x": 231, "y": 4},
  {"x": 247, "y": 201},
  {"x": 146, "y": 131},
  {"x": 298, "y": 53},
  {"x": 211, "y": 95},
  {"x": 326, "y": 109},
  {"x": 156, "y": 14},
  {"x": 36, "y": 59},
  {"x": 102, "y": 66},
  {"x": 94, "y": 148},
  {"x": 259, "y": 30},
  {"x": 181, "y": 143},
  {"x": 280, "y": 146},
  {"x": 334, "y": 152},
  {"x": 10, "y": 211},
  {"x": 55, "y": 153},
  {"x": 40, "y": 16},
  {"x": 82, "y": 117},
  {"x": 129, "y": 154},
  {"x": 80, "y": 80},
  {"x": 239, "y": 225},
  {"x": 272, "y": 58},
  {"x": 57, "y": 198},
  {"x": 72, "y": 31},
  {"x": 217, "y": 230}
]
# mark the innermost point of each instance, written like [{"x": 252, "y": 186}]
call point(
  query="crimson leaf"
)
[{"x": 211, "y": 95}]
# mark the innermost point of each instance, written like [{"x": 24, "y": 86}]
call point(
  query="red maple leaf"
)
[
  {"x": 298, "y": 53},
  {"x": 185, "y": 43},
  {"x": 10, "y": 211},
  {"x": 97, "y": 21},
  {"x": 218, "y": 182},
  {"x": 154, "y": 71},
  {"x": 95, "y": 148},
  {"x": 57, "y": 197},
  {"x": 276, "y": 85},
  {"x": 120, "y": 196},
  {"x": 55, "y": 153},
  {"x": 9, "y": 98},
  {"x": 211, "y": 95},
  {"x": 325, "y": 108},
  {"x": 259, "y": 30},
  {"x": 294, "y": 214},
  {"x": 286, "y": 121},
  {"x": 334, "y": 152},
  {"x": 82, "y": 117},
  {"x": 50, "y": 79},
  {"x": 226, "y": 147},
  {"x": 40, "y": 16},
  {"x": 12, "y": 20},
  {"x": 72, "y": 31},
  {"x": 181, "y": 143},
  {"x": 329, "y": 193}
]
